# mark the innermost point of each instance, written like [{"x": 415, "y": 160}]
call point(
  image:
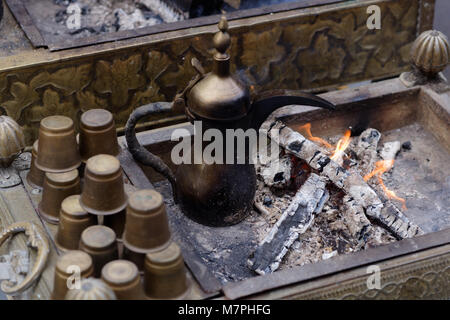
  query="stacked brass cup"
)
[
  {"x": 58, "y": 158},
  {"x": 146, "y": 226},
  {"x": 92, "y": 250}
]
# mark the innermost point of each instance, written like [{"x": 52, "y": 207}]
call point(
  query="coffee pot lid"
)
[{"x": 219, "y": 95}]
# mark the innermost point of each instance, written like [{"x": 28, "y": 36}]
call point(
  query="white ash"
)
[
  {"x": 275, "y": 170},
  {"x": 390, "y": 150},
  {"x": 167, "y": 13},
  {"x": 99, "y": 16},
  {"x": 342, "y": 226},
  {"x": 295, "y": 220},
  {"x": 366, "y": 150}
]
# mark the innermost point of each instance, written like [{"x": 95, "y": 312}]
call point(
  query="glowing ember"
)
[
  {"x": 380, "y": 168},
  {"x": 305, "y": 130},
  {"x": 342, "y": 145}
]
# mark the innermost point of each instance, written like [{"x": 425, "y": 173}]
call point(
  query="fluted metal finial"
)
[
  {"x": 222, "y": 39},
  {"x": 12, "y": 140},
  {"x": 430, "y": 52}
]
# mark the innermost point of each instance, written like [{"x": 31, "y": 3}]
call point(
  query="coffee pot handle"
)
[{"x": 140, "y": 153}]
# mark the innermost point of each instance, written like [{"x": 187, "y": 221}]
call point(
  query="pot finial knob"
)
[{"x": 222, "y": 38}]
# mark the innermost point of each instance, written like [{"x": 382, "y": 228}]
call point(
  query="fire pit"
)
[{"x": 413, "y": 121}]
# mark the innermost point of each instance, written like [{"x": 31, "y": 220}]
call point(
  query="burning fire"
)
[
  {"x": 342, "y": 144},
  {"x": 381, "y": 167},
  {"x": 306, "y": 131}
]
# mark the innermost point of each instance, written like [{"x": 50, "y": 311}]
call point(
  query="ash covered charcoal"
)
[
  {"x": 390, "y": 150},
  {"x": 295, "y": 220},
  {"x": 366, "y": 149},
  {"x": 349, "y": 180},
  {"x": 274, "y": 171},
  {"x": 98, "y": 16}
]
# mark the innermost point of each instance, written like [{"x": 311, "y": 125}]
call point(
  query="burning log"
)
[
  {"x": 366, "y": 150},
  {"x": 295, "y": 220},
  {"x": 350, "y": 181},
  {"x": 274, "y": 171}
]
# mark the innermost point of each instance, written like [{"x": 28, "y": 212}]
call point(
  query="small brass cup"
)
[
  {"x": 146, "y": 226},
  {"x": 73, "y": 220},
  {"x": 103, "y": 190},
  {"x": 35, "y": 176},
  {"x": 165, "y": 274},
  {"x": 67, "y": 265},
  {"x": 123, "y": 278},
  {"x": 101, "y": 244},
  {"x": 97, "y": 134},
  {"x": 58, "y": 149},
  {"x": 57, "y": 187}
]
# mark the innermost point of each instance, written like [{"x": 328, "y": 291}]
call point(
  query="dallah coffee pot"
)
[{"x": 216, "y": 194}]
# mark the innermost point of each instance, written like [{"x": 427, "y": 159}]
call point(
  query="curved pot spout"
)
[{"x": 268, "y": 101}]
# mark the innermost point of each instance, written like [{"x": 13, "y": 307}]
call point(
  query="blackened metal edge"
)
[{"x": 311, "y": 271}]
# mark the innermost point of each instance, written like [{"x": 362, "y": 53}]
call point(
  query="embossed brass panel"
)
[{"x": 312, "y": 48}]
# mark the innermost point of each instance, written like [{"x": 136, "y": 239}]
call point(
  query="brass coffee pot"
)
[{"x": 216, "y": 194}]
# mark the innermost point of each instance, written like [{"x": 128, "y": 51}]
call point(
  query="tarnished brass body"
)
[
  {"x": 65, "y": 268},
  {"x": 217, "y": 194},
  {"x": 12, "y": 140},
  {"x": 165, "y": 274},
  {"x": 35, "y": 176},
  {"x": 57, "y": 187},
  {"x": 91, "y": 289},
  {"x": 58, "y": 146},
  {"x": 103, "y": 190},
  {"x": 146, "y": 227},
  {"x": 101, "y": 244},
  {"x": 73, "y": 220},
  {"x": 97, "y": 134},
  {"x": 123, "y": 278}
]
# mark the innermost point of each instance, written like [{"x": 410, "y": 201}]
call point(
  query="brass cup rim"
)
[
  {"x": 104, "y": 212},
  {"x": 102, "y": 165},
  {"x": 120, "y": 272},
  {"x": 56, "y": 124},
  {"x": 143, "y": 250},
  {"x": 98, "y": 237},
  {"x": 166, "y": 258},
  {"x": 71, "y": 258},
  {"x": 52, "y": 170},
  {"x": 145, "y": 201},
  {"x": 96, "y": 119},
  {"x": 62, "y": 178},
  {"x": 70, "y": 206}
]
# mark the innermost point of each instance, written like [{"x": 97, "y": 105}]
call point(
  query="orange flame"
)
[
  {"x": 380, "y": 168},
  {"x": 306, "y": 131},
  {"x": 342, "y": 145}
]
